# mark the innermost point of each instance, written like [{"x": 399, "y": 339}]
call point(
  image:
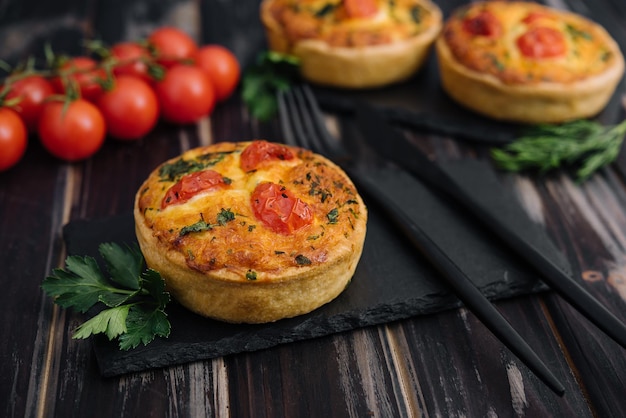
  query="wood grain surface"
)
[{"x": 443, "y": 365}]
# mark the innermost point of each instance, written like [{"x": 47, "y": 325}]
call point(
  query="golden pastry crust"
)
[
  {"x": 353, "y": 52},
  {"x": 221, "y": 260},
  {"x": 524, "y": 62}
]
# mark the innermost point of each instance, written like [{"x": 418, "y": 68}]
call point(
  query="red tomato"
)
[
  {"x": 185, "y": 94},
  {"x": 31, "y": 90},
  {"x": 483, "y": 24},
  {"x": 542, "y": 42},
  {"x": 221, "y": 66},
  {"x": 132, "y": 59},
  {"x": 85, "y": 72},
  {"x": 130, "y": 109},
  {"x": 360, "y": 8},
  {"x": 172, "y": 46},
  {"x": 13, "y": 138},
  {"x": 262, "y": 153},
  {"x": 73, "y": 131},
  {"x": 192, "y": 184},
  {"x": 278, "y": 209},
  {"x": 532, "y": 17}
]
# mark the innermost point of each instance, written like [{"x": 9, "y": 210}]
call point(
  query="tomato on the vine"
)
[
  {"x": 185, "y": 94},
  {"x": 222, "y": 67},
  {"x": 172, "y": 46},
  {"x": 71, "y": 131},
  {"x": 13, "y": 138},
  {"x": 30, "y": 91},
  {"x": 131, "y": 59},
  {"x": 83, "y": 71},
  {"x": 130, "y": 108}
]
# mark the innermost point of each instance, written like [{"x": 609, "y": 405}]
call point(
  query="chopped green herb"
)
[
  {"x": 251, "y": 275},
  {"x": 302, "y": 260},
  {"x": 175, "y": 170},
  {"x": 279, "y": 252},
  {"x": 133, "y": 300},
  {"x": 225, "y": 216},
  {"x": 416, "y": 14},
  {"x": 199, "y": 226},
  {"x": 326, "y": 9},
  {"x": 333, "y": 216},
  {"x": 577, "y": 33}
]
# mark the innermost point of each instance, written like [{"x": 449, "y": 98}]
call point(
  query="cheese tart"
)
[
  {"x": 251, "y": 232},
  {"x": 353, "y": 43},
  {"x": 524, "y": 62}
]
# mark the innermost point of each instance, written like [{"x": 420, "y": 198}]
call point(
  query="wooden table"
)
[{"x": 445, "y": 364}]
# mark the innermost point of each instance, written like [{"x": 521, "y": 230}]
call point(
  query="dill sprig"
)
[{"x": 584, "y": 144}]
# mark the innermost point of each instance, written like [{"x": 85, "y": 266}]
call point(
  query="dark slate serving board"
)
[{"x": 392, "y": 281}]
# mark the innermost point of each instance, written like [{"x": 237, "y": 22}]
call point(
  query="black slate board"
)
[{"x": 392, "y": 281}]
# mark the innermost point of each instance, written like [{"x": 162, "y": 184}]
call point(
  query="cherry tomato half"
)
[
  {"x": 31, "y": 90},
  {"x": 84, "y": 71},
  {"x": 72, "y": 131},
  {"x": 221, "y": 66},
  {"x": 131, "y": 59},
  {"x": 185, "y": 94},
  {"x": 542, "y": 42},
  {"x": 130, "y": 109},
  {"x": 261, "y": 153},
  {"x": 13, "y": 138},
  {"x": 483, "y": 24},
  {"x": 192, "y": 184},
  {"x": 172, "y": 46},
  {"x": 279, "y": 209},
  {"x": 360, "y": 8}
]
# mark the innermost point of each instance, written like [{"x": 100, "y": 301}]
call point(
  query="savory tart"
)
[
  {"x": 523, "y": 62},
  {"x": 353, "y": 43},
  {"x": 251, "y": 231}
]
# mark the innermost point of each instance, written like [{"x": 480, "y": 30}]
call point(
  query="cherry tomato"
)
[
  {"x": 192, "y": 184},
  {"x": 261, "y": 153},
  {"x": 532, "y": 17},
  {"x": 185, "y": 94},
  {"x": 221, "y": 66},
  {"x": 542, "y": 42},
  {"x": 278, "y": 209},
  {"x": 85, "y": 72},
  {"x": 360, "y": 8},
  {"x": 13, "y": 138},
  {"x": 31, "y": 90},
  {"x": 132, "y": 59},
  {"x": 172, "y": 46},
  {"x": 130, "y": 108},
  {"x": 71, "y": 131},
  {"x": 483, "y": 24}
]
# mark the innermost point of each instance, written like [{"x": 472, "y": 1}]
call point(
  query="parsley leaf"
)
[
  {"x": 132, "y": 301},
  {"x": 272, "y": 72}
]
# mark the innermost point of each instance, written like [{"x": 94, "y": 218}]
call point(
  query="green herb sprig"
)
[
  {"x": 272, "y": 72},
  {"x": 133, "y": 299},
  {"x": 584, "y": 144}
]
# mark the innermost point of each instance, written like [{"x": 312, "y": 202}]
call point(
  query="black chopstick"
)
[
  {"x": 464, "y": 288},
  {"x": 411, "y": 159}
]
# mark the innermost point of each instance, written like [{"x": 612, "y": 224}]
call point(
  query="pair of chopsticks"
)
[{"x": 397, "y": 149}]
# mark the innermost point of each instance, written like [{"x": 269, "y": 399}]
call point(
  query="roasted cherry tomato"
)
[
  {"x": 131, "y": 59},
  {"x": 130, "y": 108},
  {"x": 261, "y": 153},
  {"x": 185, "y": 94},
  {"x": 483, "y": 24},
  {"x": 221, "y": 66},
  {"x": 360, "y": 8},
  {"x": 278, "y": 209},
  {"x": 31, "y": 91},
  {"x": 71, "y": 131},
  {"x": 85, "y": 72},
  {"x": 192, "y": 184},
  {"x": 542, "y": 42},
  {"x": 13, "y": 138},
  {"x": 172, "y": 46}
]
